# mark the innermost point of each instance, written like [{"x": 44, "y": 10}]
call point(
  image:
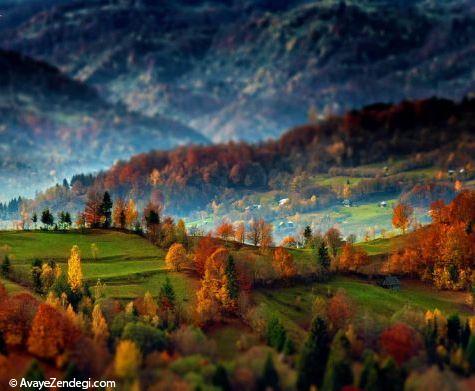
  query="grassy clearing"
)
[
  {"x": 294, "y": 305},
  {"x": 382, "y": 245},
  {"x": 127, "y": 263}
]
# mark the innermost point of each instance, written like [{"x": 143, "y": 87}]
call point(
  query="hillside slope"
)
[
  {"x": 251, "y": 69},
  {"x": 410, "y": 134},
  {"x": 50, "y": 125}
]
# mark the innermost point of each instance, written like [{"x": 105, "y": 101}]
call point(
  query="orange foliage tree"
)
[
  {"x": 118, "y": 213},
  {"x": 284, "y": 263},
  {"x": 93, "y": 211},
  {"x": 225, "y": 230},
  {"x": 260, "y": 233},
  {"x": 204, "y": 248},
  {"x": 289, "y": 241},
  {"x": 352, "y": 257},
  {"x": 402, "y": 215},
  {"x": 339, "y": 310},
  {"x": 16, "y": 314},
  {"x": 176, "y": 256},
  {"x": 401, "y": 342},
  {"x": 210, "y": 296},
  {"x": 240, "y": 233},
  {"x": 51, "y": 334},
  {"x": 444, "y": 251}
]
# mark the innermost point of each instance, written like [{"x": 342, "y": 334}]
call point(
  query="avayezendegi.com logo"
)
[{"x": 67, "y": 384}]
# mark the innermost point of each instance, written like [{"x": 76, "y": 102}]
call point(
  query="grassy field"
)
[
  {"x": 127, "y": 263},
  {"x": 294, "y": 305},
  {"x": 12, "y": 287}
]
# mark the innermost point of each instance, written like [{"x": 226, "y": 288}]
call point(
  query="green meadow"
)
[
  {"x": 293, "y": 306},
  {"x": 127, "y": 263}
]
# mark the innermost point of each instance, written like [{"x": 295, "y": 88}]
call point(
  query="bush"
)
[{"x": 147, "y": 338}]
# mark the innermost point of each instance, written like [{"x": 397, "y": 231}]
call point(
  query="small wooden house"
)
[{"x": 390, "y": 282}]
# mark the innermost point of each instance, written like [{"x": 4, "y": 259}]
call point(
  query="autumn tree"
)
[
  {"x": 402, "y": 214},
  {"x": 127, "y": 359},
  {"x": 93, "y": 210},
  {"x": 75, "y": 275},
  {"x": 176, "y": 257},
  {"x": 289, "y": 241},
  {"x": 400, "y": 341},
  {"x": 334, "y": 240},
  {"x": 16, "y": 315},
  {"x": 205, "y": 247},
  {"x": 225, "y": 230},
  {"x": 284, "y": 263},
  {"x": 51, "y": 333},
  {"x": 352, "y": 257},
  {"x": 339, "y": 310},
  {"x": 240, "y": 232},
  {"x": 81, "y": 220},
  {"x": 118, "y": 213},
  {"x": 213, "y": 295},
  {"x": 99, "y": 326},
  {"x": 131, "y": 214}
]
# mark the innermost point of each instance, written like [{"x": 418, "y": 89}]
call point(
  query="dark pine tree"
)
[
  {"x": 6, "y": 266},
  {"x": 34, "y": 219},
  {"x": 323, "y": 257},
  {"x": 270, "y": 378},
  {"x": 166, "y": 296},
  {"x": 220, "y": 378},
  {"x": 307, "y": 235},
  {"x": 47, "y": 218},
  {"x": 276, "y": 334},
  {"x": 232, "y": 279},
  {"x": 106, "y": 210},
  {"x": 470, "y": 353},
  {"x": 454, "y": 329},
  {"x": 314, "y": 356}
]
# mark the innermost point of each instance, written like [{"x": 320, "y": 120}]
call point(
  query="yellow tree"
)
[
  {"x": 210, "y": 294},
  {"x": 131, "y": 213},
  {"x": 176, "y": 256},
  {"x": 94, "y": 251},
  {"x": 74, "y": 269},
  {"x": 127, "y": 359},
  {"x": 99, "y": 326},
  {"x": 150, "y": 307},
  {"x": 181, "y": 234}
]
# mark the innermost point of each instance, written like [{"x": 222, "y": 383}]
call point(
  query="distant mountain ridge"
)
[
  {"x": 251, "y": 69},
  {"x": 52, "y": 126}
]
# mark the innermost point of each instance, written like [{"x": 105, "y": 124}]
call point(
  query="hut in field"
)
[{"x": 390, "y": 282}]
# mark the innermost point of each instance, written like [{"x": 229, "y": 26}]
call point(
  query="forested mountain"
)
[
  {"x": 251, "y": 69},
  {"x": 50, "y": 125},
  {"x": 423, "y": 133}
]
